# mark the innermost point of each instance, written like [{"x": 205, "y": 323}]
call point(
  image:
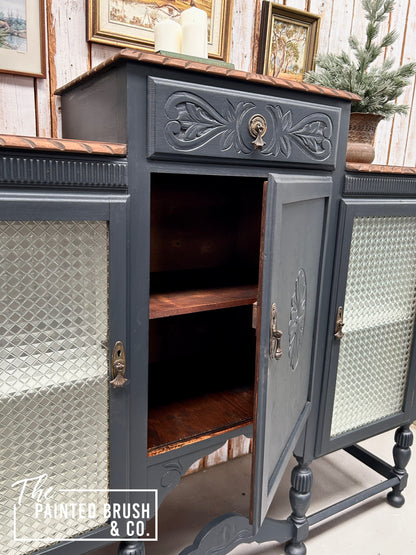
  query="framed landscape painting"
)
[
  {"x": 130, "y": 23},
  {"x": 22, "y": 40},
  {"x": 288, "y": 41}
]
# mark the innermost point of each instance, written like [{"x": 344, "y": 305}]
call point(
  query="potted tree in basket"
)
[{"x": 378, "y": 85}]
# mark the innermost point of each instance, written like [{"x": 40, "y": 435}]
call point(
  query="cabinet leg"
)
[
  {"x": 300, "y": 498},
  {"x": 131, "y": 548},
  {"x": 401, "y": 455}
]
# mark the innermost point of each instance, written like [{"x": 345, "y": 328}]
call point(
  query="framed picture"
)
[
  {"x": 288, "y": 41},
  {"x": 131, "y": 22},
  {"x": 22, "y": 37}
]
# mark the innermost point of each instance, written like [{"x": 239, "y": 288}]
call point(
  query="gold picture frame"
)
[
  {"x": 130, "y": 23},
  {"x": 22, "y": 37},
  {"x": 288, "y": 41}
]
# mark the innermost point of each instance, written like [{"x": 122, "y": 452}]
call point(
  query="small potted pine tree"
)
[{"x": 378, "y": 85}]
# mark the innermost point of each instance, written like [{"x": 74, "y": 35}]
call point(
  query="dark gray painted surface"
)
[
  {"x": 191, "y": 120},
  {"x": 350, "y": 209},
  {"x": 48, "y": 206},
  {"x": 371, "y": 185},
  {"x": 135, "y": 103},
  {"x": 294, "y": 237},
  {"x": 62, "y": 172},
  {"x": 97, "y": 108}
]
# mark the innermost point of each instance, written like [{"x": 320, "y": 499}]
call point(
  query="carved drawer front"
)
[{"x": 196, "y": 120}]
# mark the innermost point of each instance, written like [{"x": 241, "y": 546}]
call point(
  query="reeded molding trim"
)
[
  {"x": 404, "y": 437},
  {"x": 56, "y": 172},
  {"x": 380, "y": 168},
  {"x": 380, "y": 184},
  {"x": 302, "y": 478}
]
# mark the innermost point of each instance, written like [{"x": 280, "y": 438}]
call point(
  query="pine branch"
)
[{"x": 378, "y": 86}]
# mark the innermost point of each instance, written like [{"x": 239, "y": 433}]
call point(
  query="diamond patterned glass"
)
[
  {"x": 379, "y": 314},
  {"x": 53, "y": 372}
]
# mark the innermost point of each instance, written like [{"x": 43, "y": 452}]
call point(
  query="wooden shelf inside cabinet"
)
[
  {"x": 190, "y": 420},
  {"x": 176, "y": 303}
]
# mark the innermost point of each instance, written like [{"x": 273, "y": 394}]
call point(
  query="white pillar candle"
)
[
  {"x": 168, "y": 34},
  {"x": 194, "y": 24}
]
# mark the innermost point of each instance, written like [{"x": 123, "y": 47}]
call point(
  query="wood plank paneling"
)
[
  {"x": 68, "y": 48},
  {"x": 340, "y": 27},
  {"x": 238, "y": 446},
  {"x": 297, "y": 4},
  {"x": 219, "y": 456},
  {"x": 101, "y": 52},
  {"x": 323, "y": 8},
  {"x": 242, "y": 33},
  {"x": 42, "y": 96},
  {"x": 384, "y": 137},
  {"x": 17, "y": 105},
  {"x": 400, "y": 127}
]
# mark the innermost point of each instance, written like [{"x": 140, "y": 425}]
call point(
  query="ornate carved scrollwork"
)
[
  {"x": 297, "y": 318},
  {"x": 221, "y": 536},
  {"x": 312, "y": 134},
  {"x": 193, "y": 123}
]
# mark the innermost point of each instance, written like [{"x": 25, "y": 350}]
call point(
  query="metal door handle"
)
[
  {"x": 339, "y": 324},
  {"x": 118, "y": 365},
  {"x": 275, "y": 335}
]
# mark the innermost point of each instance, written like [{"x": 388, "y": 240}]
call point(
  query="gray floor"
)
[{"x": 372, "y": 528}]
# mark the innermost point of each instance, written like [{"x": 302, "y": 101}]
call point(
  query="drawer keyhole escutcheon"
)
[
  {"x": 257, "y": 126},
  {"x": 118, "y": 365},
  {"x": 275, "y": 335}
]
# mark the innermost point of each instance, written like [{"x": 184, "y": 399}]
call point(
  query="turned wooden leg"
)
[
  {"x": 401, "y": 455},
  {"x": 133, "y": 547},
  {"x": 300, "y": 498}
]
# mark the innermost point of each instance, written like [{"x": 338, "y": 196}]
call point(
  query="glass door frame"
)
[
  {"x": 350, "y": 209},
  {"x": 112, "y": 208}
]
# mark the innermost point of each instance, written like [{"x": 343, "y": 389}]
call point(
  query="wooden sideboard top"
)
[
  {"x": 63, "y": 145},
  {"x": 120, "y": 149},
  {"x": 153, "y": 58},
  {"x": 378, "y": 168}
]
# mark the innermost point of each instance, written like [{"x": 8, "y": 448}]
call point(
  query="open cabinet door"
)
[{"x": 294, "y": 222}]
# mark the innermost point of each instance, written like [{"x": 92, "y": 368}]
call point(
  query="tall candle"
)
[
  {"x": 194, "y": 23},
  {"x": 168, "y": 34}
]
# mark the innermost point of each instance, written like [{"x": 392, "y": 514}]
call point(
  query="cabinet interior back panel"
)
[
  {"x": 379, "y": 316},
  {"x": 53, "y": 373}
]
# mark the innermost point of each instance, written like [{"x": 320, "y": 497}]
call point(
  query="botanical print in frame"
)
[
  {"x": 131, "y": 22},
  {"x": 288, "y": 40},
  {"x": 22, "y": 37}
]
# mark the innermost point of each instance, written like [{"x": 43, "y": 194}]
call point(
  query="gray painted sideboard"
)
[{"x": 224, "y": 244}]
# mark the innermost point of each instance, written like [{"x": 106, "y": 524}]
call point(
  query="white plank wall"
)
[{"x": 28, "y": 107}]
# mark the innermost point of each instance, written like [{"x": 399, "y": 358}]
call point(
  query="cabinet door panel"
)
[
  {"x": 295, "y": 224},
  {"x": 57, "y": 323},
  {"x": 370, "y": 365}
]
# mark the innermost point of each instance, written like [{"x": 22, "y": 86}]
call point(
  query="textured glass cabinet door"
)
[
  {"x": 54, "y": 385},
  {"x": 378, "y": 299}
]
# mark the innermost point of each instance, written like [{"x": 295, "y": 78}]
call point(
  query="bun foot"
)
[
  {"x": 395, "y": 499},
  {"x": 295, "y": 548}
]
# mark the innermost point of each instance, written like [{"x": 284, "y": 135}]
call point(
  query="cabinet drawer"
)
[{"x": 194, "y": 120}]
